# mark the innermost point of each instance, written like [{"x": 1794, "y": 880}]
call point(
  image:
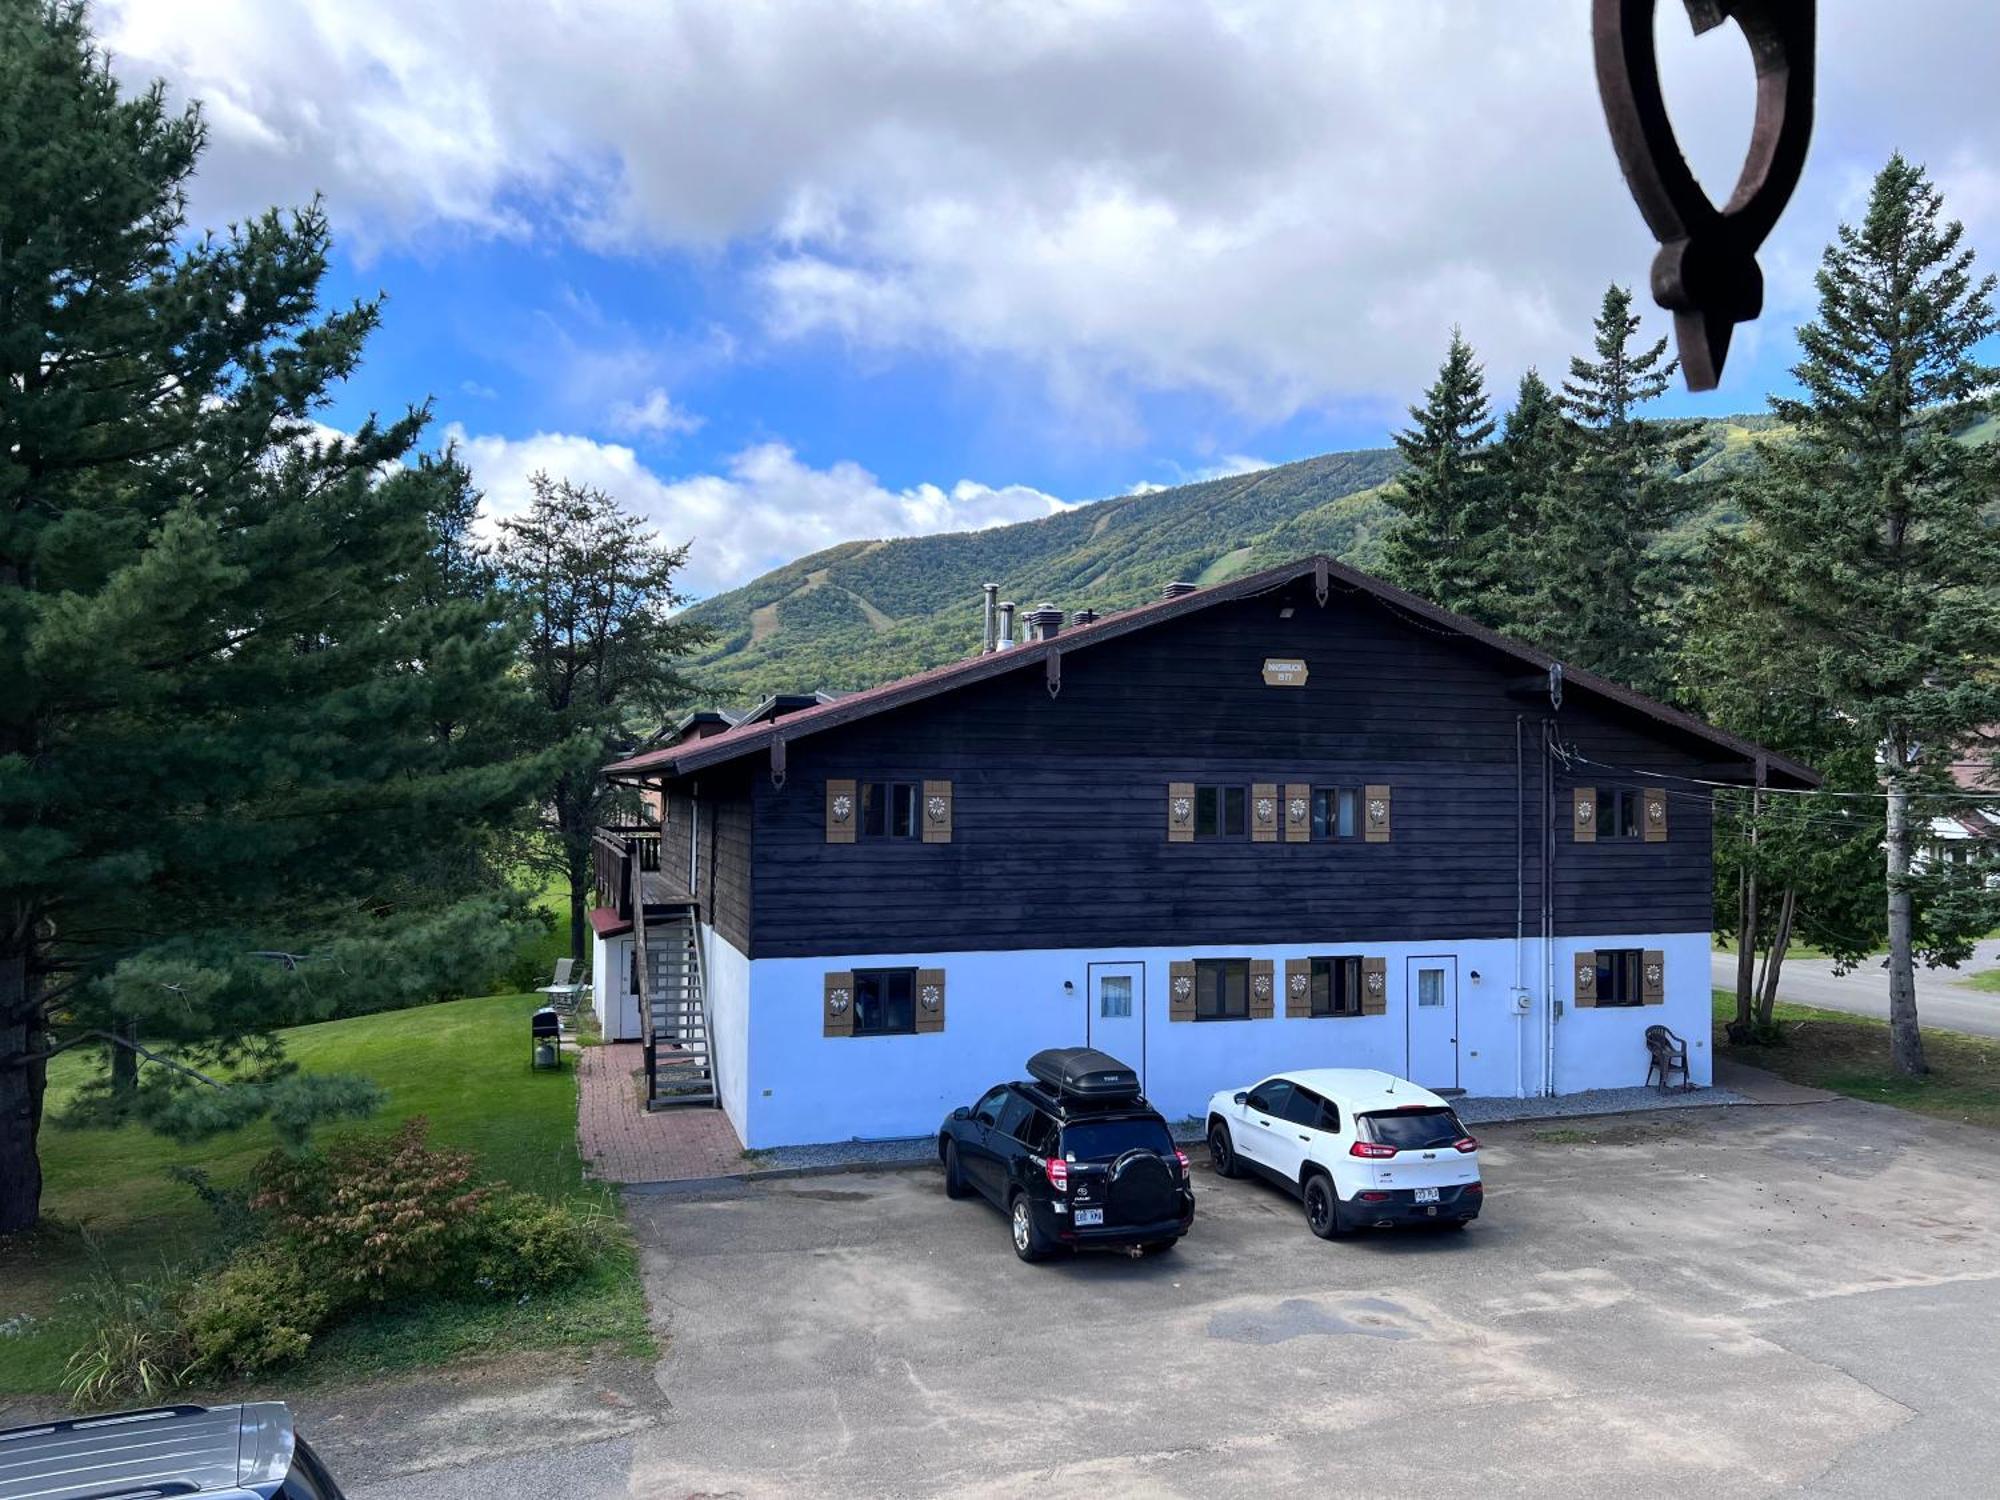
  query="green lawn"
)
[
  {"x": 1986, "y": 979},
  {"x": 1850, "y": 1055},
  {"x": 464, "y": 1064}
]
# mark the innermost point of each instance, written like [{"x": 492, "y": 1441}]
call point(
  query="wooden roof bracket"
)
[
  {"x": 778, "y": 761},
  {"x": 1320, "y": 580},
  {"x": 1054, "y": 671},
  {"x": 1706, "y": 272}
]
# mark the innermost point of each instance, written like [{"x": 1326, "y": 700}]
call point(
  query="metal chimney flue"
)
[
  {"x": 1046, "y": 622},
  {"x": 1083, "y": 617},
  {"x": 990, "y": 638},
  {"x": 1177, "y": 590},
  {"x": 1006, "y": 640}
]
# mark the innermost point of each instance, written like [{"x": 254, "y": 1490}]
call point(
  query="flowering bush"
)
[{"x": 383, "y": 1216}]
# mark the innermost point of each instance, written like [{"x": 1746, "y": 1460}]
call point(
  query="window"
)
[
  {"x": 883, "y": 1002},
  {"x": 1039, "y": 1134},
  {"x": 1303, "y": 1109},
  {"x": 987, "y": 1110},
  {"x": 1015, "y": 1112},
  {"x": 889, "y": 809},
  {"x": 1336, "y": 987},
  {"x": 1335, "y": 812},
  {"x": 1114, "y": 997},
  {"x": 1222, "y": 989},
  {"x": 1618, "y": 976},
  {"x": 1271, "y": 1097},
  {"x": 1416, "y": 1129},
  {"x": 1107, "y": 1140},
  {"x": 1430, "y": 987},
  {"x": 1221, "y": 812},
  {"x": 1618, "y": 813}
]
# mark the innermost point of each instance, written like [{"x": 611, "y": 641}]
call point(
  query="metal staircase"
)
[{"x": 676, "y": 1001}]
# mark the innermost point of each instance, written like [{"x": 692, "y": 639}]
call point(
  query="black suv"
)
[{"x": 1075, "y": 1159}]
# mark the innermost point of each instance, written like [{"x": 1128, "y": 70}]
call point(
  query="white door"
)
[
  {"x": 1430, "y": 1008},
  {"x": 1115, "y": 1013}
]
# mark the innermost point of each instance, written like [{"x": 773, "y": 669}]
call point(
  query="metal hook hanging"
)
[{"x": 1706, "y": 273}]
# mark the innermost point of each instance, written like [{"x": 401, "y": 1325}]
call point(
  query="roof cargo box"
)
[{"x": 1084, "y": 1073}]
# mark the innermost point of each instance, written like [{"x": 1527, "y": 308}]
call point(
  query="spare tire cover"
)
[{"x": 1143, "y": 1188}]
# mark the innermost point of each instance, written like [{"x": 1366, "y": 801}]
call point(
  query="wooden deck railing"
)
[{"x": 617, "y": 857}]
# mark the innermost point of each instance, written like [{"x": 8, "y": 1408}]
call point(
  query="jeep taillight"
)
[
  {"x": 1058, "y": 1173},
  {"x": 1372, "y": 1149},
  {"x": 1181, "y": 1157},
  {"x": 1465, "y": 1143}
]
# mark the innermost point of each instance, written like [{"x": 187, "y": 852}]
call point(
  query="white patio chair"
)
[{"x": 561, "y": 992}]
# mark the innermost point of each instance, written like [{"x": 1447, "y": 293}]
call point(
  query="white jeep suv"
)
[{"x": 1360, "y": 1148}]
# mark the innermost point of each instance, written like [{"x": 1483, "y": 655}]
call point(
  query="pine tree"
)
[
  {"x": 598, "y": 593},
  {"x": 1870, "y": 549},
  {"x": 1601, "y": 596},
  {"x": 1529, "y": 463},
  {"x": 1447, "y": 498},
  {"x": 233, "y": 727}
]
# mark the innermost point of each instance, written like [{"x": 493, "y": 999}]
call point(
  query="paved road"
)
[
  {"x": 1943, "y": 998},
  {"x": 1750, "y": 1301}
]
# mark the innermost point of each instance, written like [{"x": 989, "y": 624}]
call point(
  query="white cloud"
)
[
  {"x": 765, "y": 510},
  {"x": 1275, "y": 204},
  {"x": 655, "y": 415},
  {"x": 1223, "y": 468}
]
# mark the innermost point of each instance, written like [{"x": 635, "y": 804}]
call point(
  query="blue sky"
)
[{"x": 783, "y": 275}]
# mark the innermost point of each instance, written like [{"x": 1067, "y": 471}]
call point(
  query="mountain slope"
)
[{"x": 866, "y": 611}]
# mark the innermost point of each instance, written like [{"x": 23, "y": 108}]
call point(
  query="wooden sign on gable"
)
[{"x": 1284, "y": 671}]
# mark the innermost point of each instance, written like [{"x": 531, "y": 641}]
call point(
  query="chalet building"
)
[{"x": 1298, "y": 819}]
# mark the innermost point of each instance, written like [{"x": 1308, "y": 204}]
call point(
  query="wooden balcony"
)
[{"x": 614, "y": 854}]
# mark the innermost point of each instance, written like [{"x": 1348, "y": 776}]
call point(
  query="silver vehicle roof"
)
[{"x": 217, "y": 1451}]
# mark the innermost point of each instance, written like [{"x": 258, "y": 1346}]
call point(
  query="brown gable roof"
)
[{"x": 679, "y": 760}]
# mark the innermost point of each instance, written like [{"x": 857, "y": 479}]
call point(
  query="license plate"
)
[
  {"x": 1085, "y": 1217},
  {"x": 1427, "y": 1195}
]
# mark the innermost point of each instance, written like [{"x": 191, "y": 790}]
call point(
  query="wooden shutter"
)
[
  {"x": 1374, "y": 986},
  {"x": 1180, "y": 812},
  {"x": 1298, "y": 987},
  {"x": 1180, "y": 990},
  {"x": 1586, "y": 980},
  {"x": 930, "y": 1000},
  {"x": 1263, "y": 989},
  {"x": 837, "y": 1008},
  {"x": 843, "y": 812},
  {"x": 936, "y": 812},
  {"x": 1298, "y": 812},
  {"x": 1583, "y": 814},
  {"x": 1653, "y": 977},
  {"x": 1375, "y": 814},
  {"x": 1264, "y": 813},
  {"x": 1654, "y": 811}
]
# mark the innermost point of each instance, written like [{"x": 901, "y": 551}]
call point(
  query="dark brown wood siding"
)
[
  {"x": 723, "y": 863},
  {"x": 1059, "y": 813}
]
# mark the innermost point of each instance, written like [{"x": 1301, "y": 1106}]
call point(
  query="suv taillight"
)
[
  {"x": 1465, "y": 1143},
  {"x": 1058, "y": 1173},
  {"x": 1370, "y": 1149},
  {"x": 1181, "y": 1157}
]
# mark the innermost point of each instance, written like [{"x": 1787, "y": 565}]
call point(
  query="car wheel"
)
[
  {"x": 954, "y": 1177},
  {"x": 1021, "y": 1229},
  {"x": 1322, "y": 1206},
  {"x": 1221, "y": 1150}
]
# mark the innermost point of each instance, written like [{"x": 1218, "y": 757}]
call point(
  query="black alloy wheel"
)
[
  {"x": 1221, "y": 1152},
  {"x": 1322, "y": 1207}
]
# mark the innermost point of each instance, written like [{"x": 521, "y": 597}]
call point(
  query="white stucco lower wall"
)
[
  {"x": 726, "y": 973},
  {"x": 803, "y": 1087},
  {"x": 612, "y": 997}
]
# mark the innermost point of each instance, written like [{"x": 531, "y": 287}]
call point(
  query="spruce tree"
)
[
  {"x": 1871, "y": 550},
  {"x": 1602, "y": 598},
  {"x": 235, "y": 741},
  {"x": 1440, "y": 545},
  {"x": 1529, "y": 462}
]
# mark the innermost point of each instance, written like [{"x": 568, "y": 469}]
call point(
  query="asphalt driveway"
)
[
  {"x": 1734, "y": 1301},
  {"x": 1944, "y": 998}
]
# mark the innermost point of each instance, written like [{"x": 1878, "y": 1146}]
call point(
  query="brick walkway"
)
[{"x": 622, "y": 1142}]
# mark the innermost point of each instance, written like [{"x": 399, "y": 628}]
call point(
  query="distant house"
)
[
  {"x": 1970, "y": 840},
  {"x": 1297, "y": 819}
]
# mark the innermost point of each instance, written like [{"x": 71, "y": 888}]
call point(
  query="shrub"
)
[
  {"x": 260, "y": 1309},
  {"x": 520, "y": 1243},
  {"x": 381, "y": 1215},
  {"x": 135, "y": 1351}
]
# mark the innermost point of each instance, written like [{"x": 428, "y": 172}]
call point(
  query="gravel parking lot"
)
[{"x": 1742, "y": 1302}]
